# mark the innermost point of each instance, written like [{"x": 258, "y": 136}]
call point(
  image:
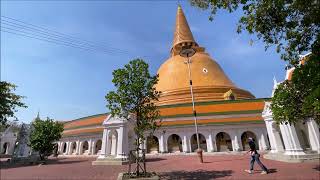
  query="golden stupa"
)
[{"x": 210, "y": 83}]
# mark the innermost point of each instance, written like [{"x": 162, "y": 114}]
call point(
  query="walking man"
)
[{"x": 255, "y": 157}]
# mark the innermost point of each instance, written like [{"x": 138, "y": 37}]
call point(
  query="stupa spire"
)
[{"x": 182, "y": 32}]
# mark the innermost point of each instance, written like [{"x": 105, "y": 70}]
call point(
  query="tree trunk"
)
[{"x": 138, "y": 156}]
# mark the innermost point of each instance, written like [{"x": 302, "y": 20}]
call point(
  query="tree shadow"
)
[
  {"x": 9, "y": 165},
  {"x": 154, "y": 159},
  {"x": 192, "y": 175}
]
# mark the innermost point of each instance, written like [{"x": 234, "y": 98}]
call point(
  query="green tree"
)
[
  {"x": 135, "y": 96},
  {"x": 299, "y": 98},
  {"x": 293, "y": 27},
  {"x": 43, "y": 135},
  {"x": 9, "y": 102}
]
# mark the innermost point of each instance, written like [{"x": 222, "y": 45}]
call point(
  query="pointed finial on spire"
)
[
  {"x": 38, "y": 115},
  {"x": 274, "y": 80},
  {"x": 182, "y": 32}
]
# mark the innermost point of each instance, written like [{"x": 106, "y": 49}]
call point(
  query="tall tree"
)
[
  {"x": 9, "y": 102},
  {"x": 294, "y": 28},
  {"x": 299, "y": 98},
  {"x": 43, "y": 135},
  {"x": 135, "y": 96}
]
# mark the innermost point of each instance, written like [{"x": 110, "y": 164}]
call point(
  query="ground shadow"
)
[
  {"x": 270, "y": 171},
  {"x": 154, "y": 159},
  {"x": 9, "y": 165},
  {"x": 192, "y": 175},
  {"x": 317, "y": 168}
]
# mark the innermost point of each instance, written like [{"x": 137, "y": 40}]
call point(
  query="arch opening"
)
[
  {"x": 73, "y": 148},
  {"x": 202, "y": 142},
  {"x": 152, "y": 144},
  {"x": 64, "y": 150},
  {"x": 223, "y": 141},
  {"x": 85, "y": 147},
  {"x": 5, "y": 148},
  {"x": 174, "y": 143},
  {"x": 98, "y": 147},
  {"x": 244, "y": 140}
]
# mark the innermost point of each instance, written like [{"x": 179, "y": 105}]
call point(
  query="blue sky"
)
[{"x": 65, "y": 83}]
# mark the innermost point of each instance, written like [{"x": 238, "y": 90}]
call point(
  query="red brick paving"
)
[{"x": 169, "y": 167}]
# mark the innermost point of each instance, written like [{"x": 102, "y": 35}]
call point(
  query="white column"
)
[
  {"x": 89, "y": 146},
  {"x": 105, "y": 139},
  {"x": 93, "y": 149},
  {"x": 120, "y": 143},
  {"x": 161, "y": 144},
  {"x": 291, "y": 141},
  {"x": 69, "y": 148},
  {"x": 234, "y": 141},
  {"x": 262, "y": 142},
  {"x": 78, "y": 148},
  {"x": 274, "y": 136},
  {"x": 313, "y": 134},
  {"x": 145, "y": 144},
  {"x": 210, "y": 143},
  {"x": 185, "y": 147}
]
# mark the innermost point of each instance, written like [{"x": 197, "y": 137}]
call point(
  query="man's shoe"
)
[
  {"x": 248, "y": 171},
  {"x": 264, "y": 172}
]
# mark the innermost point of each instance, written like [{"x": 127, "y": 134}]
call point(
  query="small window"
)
[
  {"x": 229, "y": 95},
  {"x": 204, "y": 70}
]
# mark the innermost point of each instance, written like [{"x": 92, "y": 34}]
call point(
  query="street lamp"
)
[{"x": 187, "y": 51}]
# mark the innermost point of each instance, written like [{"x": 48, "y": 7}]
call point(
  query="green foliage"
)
[
  {"x": 9, "y": 102},
  {"x": 299, "y": 99},
  {"x": 135, "y": 96},
  {"x": 293, "y": 27},
  {"x": 15, "y": 127},
  {"x": 44, "y": 133}
]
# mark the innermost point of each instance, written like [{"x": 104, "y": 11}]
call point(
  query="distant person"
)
[{"x": 255, "y": 157}]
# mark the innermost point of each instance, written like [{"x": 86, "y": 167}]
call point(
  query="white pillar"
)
[
  {"x": 89, "y": 146},
  {"x": 185, "y": 147},
  {"x": 235, "y": 141},
  {"x": 78, "y": 148},
  {"x": 313, "y": 134},
  {"x": 161, "y": 144},
  {"x": 105, "y": 139},
  {"x": 119, "y": 145},
  {"x": 69, "y": 151},
  {"x": 262, "y": 144},
  {"x": 93, "y": 149},
  {"x": 291, "y": 141},
  {"x": 209, "y": 143},
  {"x": 145, "y": 144},
  {"x": 274, "y": 136},
  {"x": 122, "y": 148}
]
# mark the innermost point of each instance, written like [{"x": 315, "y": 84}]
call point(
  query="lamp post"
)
[{"x": 187, "y": 51}]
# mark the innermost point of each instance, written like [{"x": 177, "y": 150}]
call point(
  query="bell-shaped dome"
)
[{"x": 208, "y": 79}]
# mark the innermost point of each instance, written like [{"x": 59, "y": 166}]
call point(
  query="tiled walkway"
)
[{"x": 169, "y": 167}]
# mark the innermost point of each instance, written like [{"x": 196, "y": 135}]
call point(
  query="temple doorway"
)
[
  {"x": 202, "y": 141},
  {"x": 152, "y": 144},
  {"x": 223, "y": 141},
  {"x": 244, "y": 140},
  {"x": 174, "y": 143}
]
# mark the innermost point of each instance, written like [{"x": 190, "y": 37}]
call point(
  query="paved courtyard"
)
[{"x": 168, "y": 166}]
